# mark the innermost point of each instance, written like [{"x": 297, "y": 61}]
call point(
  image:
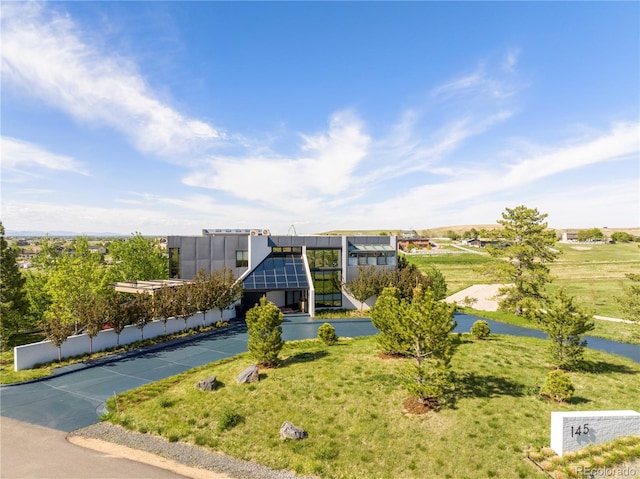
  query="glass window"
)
[
  {"x": 174, "y": 262},
  {"x": 381, "y": 260},
  {"x": 242, "y": 258}
]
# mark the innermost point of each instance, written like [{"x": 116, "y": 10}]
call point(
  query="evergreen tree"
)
[
  {"x": 14, "y": 305},
  {"x": 526, "y": 246},
  {"x": 420, "y": 329},
  {"x": 264, "y": 324},
  {"x": 630, "y": 301},
  {"x": 565, "y": 323},
  {"x": 388, "y": 315}
]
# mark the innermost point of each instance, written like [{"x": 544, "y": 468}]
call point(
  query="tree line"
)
[{"x": 70, "y": 290}]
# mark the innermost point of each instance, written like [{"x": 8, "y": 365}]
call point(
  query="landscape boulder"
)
[
  {"x": 290, "y": 431},
  {"x": 249, "y": 375},
  {"x": 208, "y": 384}
]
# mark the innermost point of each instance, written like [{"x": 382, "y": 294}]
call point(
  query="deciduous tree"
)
[
  {"x": 76, "y": 278},
  {"x": 225, "y": 290},
  {"x": 526, "y": 246},
  {"x": 591, "y": 234},
  {"x": 368, "y": 283},
  {"x": 621, "y": 237},
  {"x": 57, "y": 327},
  {"x": 137, "y": 258}
]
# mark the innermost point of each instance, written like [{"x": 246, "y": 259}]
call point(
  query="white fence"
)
[{"x": 27, "y": 356}]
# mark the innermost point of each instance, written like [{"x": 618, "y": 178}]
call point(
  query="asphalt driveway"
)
[{"x": 76, "y": 395}]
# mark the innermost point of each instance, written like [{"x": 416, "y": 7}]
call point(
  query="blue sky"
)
[{"x": 166, "y": 118}]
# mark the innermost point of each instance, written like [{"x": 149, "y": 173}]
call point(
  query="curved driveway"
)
[{"x": 75, "y": 396}]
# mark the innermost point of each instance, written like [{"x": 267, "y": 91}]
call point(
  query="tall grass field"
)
[
  {"x": 594, "y": 274},
  {"x": 350, "y": 401}
]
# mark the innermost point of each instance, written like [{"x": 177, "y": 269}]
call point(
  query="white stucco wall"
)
[{"x": 28, "y": 355}]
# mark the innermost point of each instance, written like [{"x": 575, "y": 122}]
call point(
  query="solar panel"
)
[{"x": 278, "y": 273}]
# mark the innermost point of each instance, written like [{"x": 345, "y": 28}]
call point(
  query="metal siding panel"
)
[{"x": 203, "y": 248}]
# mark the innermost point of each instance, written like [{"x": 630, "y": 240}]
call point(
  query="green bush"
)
[
  {"x": 327, "y": 334},
  {"x": 557, "y": 386},
  {"x": 480, "y": 329},
  {"x": 228, "y": 419},
  {"x": 264, "y": 324}
]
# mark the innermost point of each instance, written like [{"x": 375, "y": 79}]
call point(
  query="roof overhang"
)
[
  {"x": 148, "y": 287},
  {"x": 370, "y": 247}
]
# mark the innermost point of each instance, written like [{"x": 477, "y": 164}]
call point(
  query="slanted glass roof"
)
[
  {"x": 371, "y": 247},
  {"x": 278, "y": 273}
]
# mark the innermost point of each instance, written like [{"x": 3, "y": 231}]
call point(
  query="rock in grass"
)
[
  {"x": 208, "y": 384},
  {"x": 249, "y": 375},
  {"x": 290, "y": 431}
]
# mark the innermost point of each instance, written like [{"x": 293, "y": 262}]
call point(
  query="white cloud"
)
[
  {"x": 323, "y": 169},
  {"x": 517, "y": 180},
  {"x": 511, "y": 60},
  {"x": 621, "y": 142},
  {"x": 44, "y": 54},
  {"x": 20, "y": 159}
]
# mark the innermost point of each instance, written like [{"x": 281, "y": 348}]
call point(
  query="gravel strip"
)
[{"x": 183, "y": 453}]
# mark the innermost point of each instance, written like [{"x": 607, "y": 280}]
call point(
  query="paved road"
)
[{"x": 28, "y": 451}]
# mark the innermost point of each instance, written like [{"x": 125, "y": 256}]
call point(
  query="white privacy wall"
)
[{"x": 28, "y": 355}]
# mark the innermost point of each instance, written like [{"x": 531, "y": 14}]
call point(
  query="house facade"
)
[{"x": 297, "y": 273}]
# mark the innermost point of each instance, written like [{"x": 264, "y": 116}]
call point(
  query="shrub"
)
[
  {"x": 557, "y": 386},
  {"x": 327, "y": 334},
  {"x": 480, "y": 329},
  {"x": 264, "y": 323},
  {"x": 228, "y": 419}
]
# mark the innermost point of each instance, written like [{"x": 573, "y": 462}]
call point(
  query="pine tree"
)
[
  {"x": 13, "y": 300},
  {"x": 264, "y": 324},
  {"x": 526, "y": 246},
  {"x": 565, "y": 323}
]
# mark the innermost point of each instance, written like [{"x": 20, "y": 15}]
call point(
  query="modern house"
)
[{"x": 298, "y": 273}]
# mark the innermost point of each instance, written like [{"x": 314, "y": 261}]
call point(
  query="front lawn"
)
[{"x": 350, "y": 401}]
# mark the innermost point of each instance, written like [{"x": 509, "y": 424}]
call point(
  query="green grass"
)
[
  {"x": 460, "y": 270},
  {"x": 613, "y": 331},
  {"x": 594, "y": 274},
  {"x": 350, "y": 401}
]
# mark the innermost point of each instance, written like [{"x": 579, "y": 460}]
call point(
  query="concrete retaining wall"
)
[
  {"x": 28, "y": 355},
  {"x": 575, "y": 430}
]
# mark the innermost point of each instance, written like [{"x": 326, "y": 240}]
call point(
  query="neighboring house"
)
[
  {"x": 410, "y": 234},
  {"x": 98, "y": 249},
  {"x": 419, "y": 243},
  {"x": 295, "y": 272},
  {"x": 477, "y": 243},
  {"x": 569, "y": 237}
]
